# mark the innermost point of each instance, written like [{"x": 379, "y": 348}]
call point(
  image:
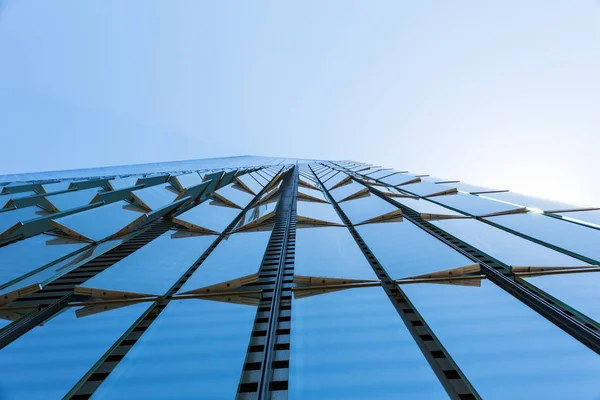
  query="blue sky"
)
[{"x": 502, "y": 93}]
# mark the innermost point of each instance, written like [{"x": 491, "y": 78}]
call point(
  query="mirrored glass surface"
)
[
  {"x": 154, "y": 197},
  {"x": 334, "y": 180},
  {"x": 382, "y": 173},
  {"x": 399, "y": 179},
  {"x": 60, "y": 352},
  {"x": 342, "y": 192},
  {"x": 194, "y": 350},
  {"x": 330, "y": 252},
  {"x": 257, "y": 215},
  {"x": 186, "y": 181},
  {"x": 8, "y": 219},
  {"x": 309, "y": 211},
  {"x": 369, "y": 208},
  {"x": 207, "y": 217},
  {"x": 579, "y": 291},
  {"x": 234, "y": 195},
  {"x": 6, "y": 198},
  {"x": 249, "y": 183},
  {"x": 100, "y": 222},
  {"x": 576, "y": 238},
  {"x": 428, "y": 189},
  {"x": 311, "y": 194},
  {"x": 591, "y": 217},
  {"x": 237, "y": 256},
  {"x": 122, "y": 183},
  {"x": 69, "y": 200},
  {"x": 55, "y": 271},
  {"x": 468, "y": 188},
  {"x": 405, "y": 250},
  {"x": 510, "y": 249},
  {"x": 259, "y": 178},
  {"x": 475, "y": 205},
  {"x": 156, "y": 267},
  {"x": 26, "y": 256},
  {"x": 530, "y": 201},
  {"x": 428, "y": 209},
  {"x": 352, "y": 344},
  {"x": 495, "y": 339},
  {"x": 55, "y": 187}
]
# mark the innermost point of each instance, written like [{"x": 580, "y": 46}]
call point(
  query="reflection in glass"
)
[
  {"x": 495, "y": 340},
  {"x": 369, "y": 209},
  {"x": 428, "y": 209},
  {"x": 195, "y": 349},
  {"x": 235, "y": 260},
  {"x": 249, "y": 183},
  {"x": 427, "y": 189},
  {"x": 352, "y": 344},
  {"x": 186, "y": 181},
  {"x": 26, "y": 256},
  {"x": 531, "y": 202},
  {"x": 475, "y": 205},
  {"x": 404, "y": 250},
  {"x": 580, "y": 290},
  {"x": 507, "y": 248},
  {"x": 153, "y": 269},
  {"x": 317, "y": 213},
  {"x": 154, "y": 197},
  {"x": 69, "y": 200},
  {"x": 344, "y": 192},
  {"x": 575, "y": 238},
  {"x": 591, "y": 217},
  {"x": 207, "y": 217},
  {"x": 9, "y": 219},
  {"x": 234, "y": 195},
  {"x": 60, "y": 352},
  {"x": 101, "y": 222},
  {"x": 330, "y": 252}
]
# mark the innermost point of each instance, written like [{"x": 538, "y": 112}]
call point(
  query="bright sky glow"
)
[{"x": 498, "y": 93}]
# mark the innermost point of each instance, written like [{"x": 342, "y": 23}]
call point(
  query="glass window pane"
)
[
  {"x": 382, "y": 173},
  {"x": 8, "y": 219},
  {"x": 468, "y": 188},
  {"x": 57, "y": 270},
  {"x": 368, "y": 209},
  {"x": 195, "y": 349},
  {"x": 330, "y": 252},
  {"x": 154, "y": 197},
  {"x": 153, "y": 269},
  {"x": 234, "y": 195},
  {"x": 495, "y": 339},
  {"x": 318, "y": 213},
  {"x": 426, "y": 189},
  {"x": 572, "y": 237},
  {"x": 530, "y": 201},
  {"x": 257, "y": 215},
  {"x": 428, "y": 209},
  {"x": 237, "y": 258},
  {"x": 122, "y": 183},
  {"x": 186, "y": 181},
  {"x": 249, "y": 183},
  {"x": 207, "y": 217},
  {"x": 6, "y": 198},
  {"x": 55, "y": 187},
  {"x": 100, "y": 222},
  {"x": 28, "y": 255},
  {"x": 506, "y": 247},
  {"x": 69, "y": 200},
  {"x": 405, "y": 250},
  {"x": 475, "y": 205},
  {"x": 61, "y": 351},
  {"x": 580, "y": 290},
  {"x": 352, "y": 344},
  {"x": 334, "y": 180},
  {"x": 399, "y": 179},
  {"x": 311, "y": 194},
  {"x": 343, "y": 192},
  {"x": 591, "y": 217}
]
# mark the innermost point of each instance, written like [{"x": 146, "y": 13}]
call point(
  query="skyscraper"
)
[{"x": 270, "y": 278}]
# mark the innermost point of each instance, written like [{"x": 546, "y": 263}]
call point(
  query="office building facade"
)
[{"x": 273, "y": 278}]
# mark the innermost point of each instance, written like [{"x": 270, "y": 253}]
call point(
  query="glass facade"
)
[{"x": 256, "y": 277}]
